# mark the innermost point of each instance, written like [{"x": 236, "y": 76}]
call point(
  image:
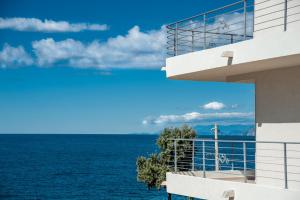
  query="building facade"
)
[{"x": 246, "y": 42}]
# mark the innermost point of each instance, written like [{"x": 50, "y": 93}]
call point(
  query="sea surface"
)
[{"x": 74, "y": 167}]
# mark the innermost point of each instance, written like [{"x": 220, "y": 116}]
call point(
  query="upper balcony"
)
[
  {"x": 240, "y": 38},
  {"x": 226, "y": 25}
]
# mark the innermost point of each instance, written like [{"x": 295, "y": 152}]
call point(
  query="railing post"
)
[
  {"x": 193, "y": 156},
  {"x": 174, "y": 45},
  {"x": 285, "y": 167},
  {"x": 203, "y": 159},
  {"x": 245, "y": 160},
  {"x": 169, "y": 196},
  {"x": 204, "y": 32},
  {"x": 175, "y": 155},
  {"x": 285, "y": 14},
  {"x": 176, "y": 40},
  {"x": 216, "y": 148},
  {"x": 192, "y": 41},
  {"x": 245, "y": 19}
]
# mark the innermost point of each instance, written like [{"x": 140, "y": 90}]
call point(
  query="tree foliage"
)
[{"x": 152, "y": 170}]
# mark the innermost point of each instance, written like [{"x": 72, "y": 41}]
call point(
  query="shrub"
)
[{"x": 152, "y": 170}]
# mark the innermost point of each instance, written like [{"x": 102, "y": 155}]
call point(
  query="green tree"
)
[{"x": 152, "y": 170}]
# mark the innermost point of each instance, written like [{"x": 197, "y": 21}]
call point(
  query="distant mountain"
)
[{"x": 232, "y": 130}]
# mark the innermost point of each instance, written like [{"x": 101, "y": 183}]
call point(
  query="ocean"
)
[{"x": 74, "y": 167}]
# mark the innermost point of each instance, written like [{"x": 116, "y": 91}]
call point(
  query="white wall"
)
[{"x": 277, "y": 119}]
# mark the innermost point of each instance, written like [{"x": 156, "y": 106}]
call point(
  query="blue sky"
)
[{"x": 94, "y": 67}]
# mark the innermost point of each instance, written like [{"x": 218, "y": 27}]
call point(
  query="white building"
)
[{"x": 250, "y": 42}]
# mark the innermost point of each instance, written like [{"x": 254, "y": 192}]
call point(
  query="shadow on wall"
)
[{"x": 278, "y": 96}]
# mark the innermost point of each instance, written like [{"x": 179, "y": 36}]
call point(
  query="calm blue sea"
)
[{"x": 74, "y": 167}]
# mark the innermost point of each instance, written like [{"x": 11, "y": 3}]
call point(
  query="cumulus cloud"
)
[
  {"x": 196, "y": 117},
  {"x": 220, "y": 30},
  {"x": 232, "y": 23},
  {"x": 136, "y": 49},
  {"x": 214, "y": 106},
  {"x": 14, "y": 56},
  {"x": 37, "y": 25}
]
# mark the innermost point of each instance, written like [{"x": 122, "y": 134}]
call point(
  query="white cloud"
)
[
  {"x": 37, "y": 25},
  {"x": 232, "y": 23},
  {"x": 196, "y": 117},
  {"x": 14, "y": 56},
  {"x": 234, "y": 106},
  {"x": 218, "y": 30},
  {"x": 214, "y": 106},
  {"x": 135, "y": 50}
]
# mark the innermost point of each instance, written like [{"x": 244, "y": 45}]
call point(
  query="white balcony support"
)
[{"x": 206, "y": 188}]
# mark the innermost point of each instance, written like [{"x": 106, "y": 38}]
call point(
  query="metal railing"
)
[
  {"x": 271, "y": 14},
  {"x": 226, "y": 25},
  {"x": 229, "y": 24},
  {"x": 237, "y": 160}
]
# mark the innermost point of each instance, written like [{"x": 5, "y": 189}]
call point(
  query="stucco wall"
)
[{"x": 277, "y": 119}]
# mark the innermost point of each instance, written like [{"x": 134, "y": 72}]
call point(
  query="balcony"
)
[
  {"x": 237, "y": 39},
  {"x": 226, "y": 25},
  {"x": 225, "y": 165}
]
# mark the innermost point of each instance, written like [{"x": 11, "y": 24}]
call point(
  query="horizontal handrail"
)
[
  {"x": 236, "y": 141},
  {"x": 246, "y": 159},
  {"x": 204, "y": 13}
]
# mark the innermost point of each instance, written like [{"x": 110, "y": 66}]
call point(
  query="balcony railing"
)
[
  {"x": 226, "y": 25},
  {"x": 236, "y": 160}
]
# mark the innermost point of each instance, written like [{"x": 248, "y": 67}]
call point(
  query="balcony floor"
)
[{"x": 229, "y": 175}]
